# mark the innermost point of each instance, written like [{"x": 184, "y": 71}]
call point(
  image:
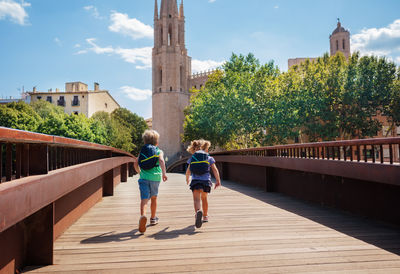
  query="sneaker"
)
[
  {"x": 142, "y": 224},
  {"x": 205, "y": 219},
  {"x": 154, "y": 221},
  {"x": 199, "y": 216}
]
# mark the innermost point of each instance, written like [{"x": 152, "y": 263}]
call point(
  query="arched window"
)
[
  {"x": 181, "y": 76},
  {"x": 161, "y": 36},
  {"x": 170, "y": 88},
  {"x": 160, "y": 77},
  {"x": 337, "y": 45},
  {"x": 180, "y": 35},
  {"x": 343, "y": 44},
  {"x": 170, "y": 35}
]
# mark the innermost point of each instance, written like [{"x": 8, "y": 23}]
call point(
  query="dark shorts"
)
[{"x": 199, "y": 184}]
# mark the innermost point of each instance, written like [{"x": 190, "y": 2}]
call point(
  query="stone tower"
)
[
  {"x": 171, "y": 74},
  {"x": 340, "y": 40}
]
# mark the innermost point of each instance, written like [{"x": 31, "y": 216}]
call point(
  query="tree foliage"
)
[
  {"x": 122, "y": 129},
  {"x": 248, "y": 104}
]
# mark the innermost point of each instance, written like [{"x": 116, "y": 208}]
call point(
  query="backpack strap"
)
[
  {"x": 148, "y": 158},
  {"x": 198, "y": 162}
]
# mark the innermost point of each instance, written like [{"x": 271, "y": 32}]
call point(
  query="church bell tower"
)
[{"x": 171, "y": 73}]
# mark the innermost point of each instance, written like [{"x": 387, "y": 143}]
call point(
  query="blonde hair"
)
[
  {"x": 150, "y": 137},
  {"x": 196, "y": 145}
]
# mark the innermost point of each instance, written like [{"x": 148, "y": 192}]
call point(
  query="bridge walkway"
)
[{"x": 250, "y": 231}]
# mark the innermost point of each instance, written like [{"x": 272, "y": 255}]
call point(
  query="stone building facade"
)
[
  {"x": 78, "y": 99},
  {"x": 339, "y": 40},
  {"x": 172, "y": 77}
]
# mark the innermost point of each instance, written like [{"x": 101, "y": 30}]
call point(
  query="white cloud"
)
[
  {"x": 139, "y": 56},
  {"x": 136, "y": 94},
  {"x": 276, "y": 7},
  {"x": 382, "y": 41},
  {"x": 95, "y": 12},
  {"x": 211, "y": 1},
  {"x": 98, "y": 50},
  {"x": 131, "y": 27},
  {"x": 15, "y": 11},
  {"x": 58, "y": 41},
  {"x": 199, "y": 66},
  {"x": 77, "y": 46},
  {"x": 136, "y": 55},
  {"x": 398, "y": 60}
]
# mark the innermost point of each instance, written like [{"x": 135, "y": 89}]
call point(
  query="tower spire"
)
[
  {"x": 155, "y": 10},
  {"x": 181, "y": 13}
]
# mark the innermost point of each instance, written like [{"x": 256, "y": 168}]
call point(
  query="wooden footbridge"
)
[{"x": 274, "y": 214}]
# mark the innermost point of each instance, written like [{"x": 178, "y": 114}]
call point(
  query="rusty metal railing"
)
[
  {"x": 25, "y": 153},
  {"x": 378, "y": 150}
]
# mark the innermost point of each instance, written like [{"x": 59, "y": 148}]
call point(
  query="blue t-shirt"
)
[{"x": 206, "y": 176}]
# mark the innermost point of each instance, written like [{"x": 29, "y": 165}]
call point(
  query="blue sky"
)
[{"x": 46, "y": 43}]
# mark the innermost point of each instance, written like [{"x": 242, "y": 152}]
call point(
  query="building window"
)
[
  {"x": 105, "y": 104},
  {"x": 170, "y": 89},
  {"x": 49, "y": 99},
  {"x": 337, "y": 45},
  {"x": 75, "y": 101},
  {"x": 162, "y": 38},
  {"x": 61, "y": 101},
  {"x": 76, "y": 112},
  {"x": 83, "y": 96},
  {"x": 343, "y": 45},
  {"x": 170, "y": 35},
  {"x": 201, "y": 86},
  {"x": 39, "y": 97}
]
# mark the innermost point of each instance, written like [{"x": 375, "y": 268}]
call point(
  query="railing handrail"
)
[
  {"x": 8, "y": 135},
  {"x": 356, "y": 142}
]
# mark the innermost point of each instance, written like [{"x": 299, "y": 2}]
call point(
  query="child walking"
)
[
  {"x": 199, "y": 168},
  {"x": 151, "y": 166}
]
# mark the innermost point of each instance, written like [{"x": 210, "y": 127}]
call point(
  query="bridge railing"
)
[
  {"x": 25, "y": 153},
  {"x": 377, "y": 150},
  {"x": 48, "y": 183}
]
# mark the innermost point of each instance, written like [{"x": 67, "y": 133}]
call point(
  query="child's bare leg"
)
[
  {"x": 143, "y": 205},
  {"x": 197, "y": 199},
  {"x": 153, "y": 206},
  {"x": 204, "y": 202}
]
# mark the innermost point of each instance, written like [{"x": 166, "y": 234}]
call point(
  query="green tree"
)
[
  {"x": 133, "y": 124},
  {"x": 19, "y": 116},
  {"x": 229, "y": 110},
  {"x": 101, "y": 126}
]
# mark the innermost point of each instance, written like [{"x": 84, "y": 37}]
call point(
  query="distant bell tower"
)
[
  {"x": 171, "y": 74},
  {"x": 340, "y": 40}
]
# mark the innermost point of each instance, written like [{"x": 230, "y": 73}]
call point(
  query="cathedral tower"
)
[
  {"x": 171, "y": 74},
  {"x": 340, "y": 41}
]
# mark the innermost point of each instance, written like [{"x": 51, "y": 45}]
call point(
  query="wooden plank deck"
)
[{"x": 250, "y": 231}]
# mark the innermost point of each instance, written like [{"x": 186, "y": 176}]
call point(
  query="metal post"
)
[
  {"x": 8, "y": 162},
  {"x": 18, "y": 161}
]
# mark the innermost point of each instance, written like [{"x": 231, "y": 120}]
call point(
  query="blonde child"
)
[
  {"x": 199, "y": 168},
  {"x": 151, "y": 166}
]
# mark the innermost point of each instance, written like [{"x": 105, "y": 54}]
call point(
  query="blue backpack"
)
[
  {"x": 148, "y": 157},
  {"x": 199, "y": 163}
]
